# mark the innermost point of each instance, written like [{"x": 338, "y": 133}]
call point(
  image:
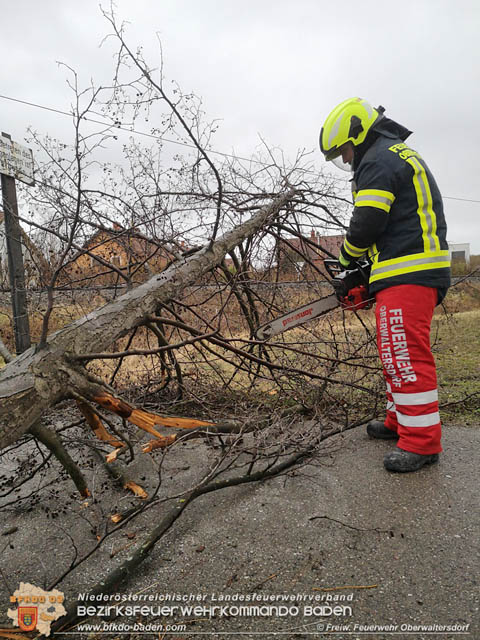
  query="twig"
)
[
  {"x": 139, "y": 352},
  {"x": 4, "y": 352},
  {"x": 125, "y": 571},
  {"x": 367, "y": 586},
  {"x": 349, "y": 526}
]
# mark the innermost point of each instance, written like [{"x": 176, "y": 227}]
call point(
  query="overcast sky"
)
[{"x": 275, "y": 68}]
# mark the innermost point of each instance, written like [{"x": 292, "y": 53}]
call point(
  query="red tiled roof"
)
[{"x": 332, "y": 244}]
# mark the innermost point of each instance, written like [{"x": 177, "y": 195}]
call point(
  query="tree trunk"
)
[{"x": 34, "y": 381}]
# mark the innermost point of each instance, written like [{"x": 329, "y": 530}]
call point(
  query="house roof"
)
[
  {"x": 332, "y": 244},
  {"x": 136, "y": 243}
]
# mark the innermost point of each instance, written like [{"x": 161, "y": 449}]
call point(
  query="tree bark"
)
[
  {"x": 52, "y": 441},
  {"x": 36, "y": 380}
]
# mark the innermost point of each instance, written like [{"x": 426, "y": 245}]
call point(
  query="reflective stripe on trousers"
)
[{"x": 404, "y": 315}]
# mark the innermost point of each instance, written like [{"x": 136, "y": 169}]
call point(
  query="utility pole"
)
[{"x": 16, "y": 269}]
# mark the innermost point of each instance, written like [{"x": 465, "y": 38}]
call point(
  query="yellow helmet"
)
[{"x": 350, "y": 121}]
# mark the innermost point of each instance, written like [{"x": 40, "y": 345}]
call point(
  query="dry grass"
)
[
  {"x": 457, "y": 353},
  {"x": 460, "y": 268},
  {"x": 455, "y": 334},
  {"x": 62, "y": 315}
]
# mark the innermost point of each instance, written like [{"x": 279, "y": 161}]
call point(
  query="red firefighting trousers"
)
[{"x": 404, "y": 315}]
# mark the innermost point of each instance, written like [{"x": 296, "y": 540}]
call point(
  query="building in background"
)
[
  {"x": 302, "y": 258},
  {"x": 459, "y": 252},
  {"x": 110, "y": 251}
]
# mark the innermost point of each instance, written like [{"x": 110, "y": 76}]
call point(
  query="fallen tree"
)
[
  {"x": 262, "y": 407},
  {"x": 192, "y": 200},
  {"x": 36, "y": 380}
]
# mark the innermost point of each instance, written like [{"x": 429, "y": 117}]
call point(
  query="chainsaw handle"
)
[{"x": 333, "y": 267}]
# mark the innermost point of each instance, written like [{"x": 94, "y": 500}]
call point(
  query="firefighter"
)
[{"x": 398, "y": 222}]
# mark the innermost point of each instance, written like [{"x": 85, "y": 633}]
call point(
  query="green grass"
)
[{"x": 457, "y": 353}]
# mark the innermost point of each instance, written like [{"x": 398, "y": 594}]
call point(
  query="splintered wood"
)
[
  {"x": 165, "y": 441},
  {"x": 97, "y": 425},
  {"x": 142, "y": 419},
  {"x": 136, "y": 489},
  {"x": 12, "y": 634}
]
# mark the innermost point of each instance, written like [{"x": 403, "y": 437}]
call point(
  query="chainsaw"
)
[{"x": 350, "y": 292}]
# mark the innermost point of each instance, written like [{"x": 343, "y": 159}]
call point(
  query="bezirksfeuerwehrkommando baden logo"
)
[{"x": 36, "y": 609}]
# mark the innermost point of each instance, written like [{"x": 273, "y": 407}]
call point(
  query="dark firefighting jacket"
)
[{"x": 398, "y": 219}]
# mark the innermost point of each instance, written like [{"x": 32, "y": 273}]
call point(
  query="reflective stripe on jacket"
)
[{"x": 398, "y": 218}]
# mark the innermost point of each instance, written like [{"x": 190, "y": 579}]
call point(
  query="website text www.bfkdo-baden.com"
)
[{"x": 326, "y": 612}]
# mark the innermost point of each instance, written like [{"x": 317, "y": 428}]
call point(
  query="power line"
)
[
  {"x": 462, "y": 199},
  {"x": 135, "y": 131},
  {"x": 184, "y": 144},
  {"x": 111, "y": 124}
]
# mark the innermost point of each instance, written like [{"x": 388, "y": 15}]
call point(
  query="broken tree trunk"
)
[{"x": 34, "y": 381}]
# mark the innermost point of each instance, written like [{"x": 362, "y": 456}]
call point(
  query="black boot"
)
[
  {"x": 377, "y": 429},
  {"x": 405, "y": 461}
]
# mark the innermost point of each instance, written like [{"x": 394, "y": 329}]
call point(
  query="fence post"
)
[{"x": 16, "y": 269}]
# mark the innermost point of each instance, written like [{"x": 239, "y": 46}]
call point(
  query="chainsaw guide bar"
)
[
  {"x": 351, "y": 293},
  {"x": 297, "y": 316}
]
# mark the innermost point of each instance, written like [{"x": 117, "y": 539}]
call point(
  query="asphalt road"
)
[
  {"x": 340, "y": 549},
  {"x": 404, "y": 549}
]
